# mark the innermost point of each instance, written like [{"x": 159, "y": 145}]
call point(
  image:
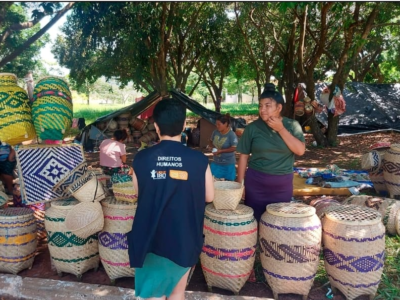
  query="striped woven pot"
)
[
  {"x": 113, "y": 242},
  {"x": 228, "y": 253},
  {"x": 16, "y": 123},
  {"x": 354, "y": 250},
  {"x": 52, "y": 108},
  {"x": 391, "y": 170},
  {"x": 290, "y": 241},
  {"x": 17, "y": 239},
  {"x": 69, "y": 253}
]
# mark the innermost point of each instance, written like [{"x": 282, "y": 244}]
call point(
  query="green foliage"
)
[{"x": 30, "y": 58}]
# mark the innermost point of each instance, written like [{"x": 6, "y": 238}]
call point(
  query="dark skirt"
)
[{"x": 262, "y": 189}]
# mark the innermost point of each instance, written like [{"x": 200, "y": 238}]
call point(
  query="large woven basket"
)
[
  {"x": 124, "y": 191},
  {"x": 227, "y": 194},
  {"x": 113, "y": 247},
  {"x": 290, "y": 241},
  {"x": 388, "y": 208},
  {"x": 69, "y": 253},
  {"x": 69, "y": 178},
  {"x": 85, "y": 219},
  {"x": 87, "y": 188},
  {"x": 52, "y": 108},
  {"x": 378, "y": 181},
  {"x": 371, "y": 161},
  {"x": 16, "y": 123},
  {"x": 391, "y": 170},
  {"x": 228, "y": 253},
  {"x": 17, "y": 239},
  {"x": 121, "y": 178},
  {"x": 354, "y": 249}
]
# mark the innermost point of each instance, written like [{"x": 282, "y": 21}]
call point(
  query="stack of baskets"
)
[
  {"x": 16, "y": 123},
  {"x": 69, "y": 252},
  {"x": 290, "y": 240},
  {"x": 17, "y": 239},
  {"x": 113, "y": 247}
]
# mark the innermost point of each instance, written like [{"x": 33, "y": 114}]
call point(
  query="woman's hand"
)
[{"x": 275, "y": 123}]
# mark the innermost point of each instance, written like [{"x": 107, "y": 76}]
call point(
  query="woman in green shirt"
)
[{"x": 268, "y": 146}]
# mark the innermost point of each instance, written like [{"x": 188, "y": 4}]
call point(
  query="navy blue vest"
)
[{"x": 170, "y": 213}]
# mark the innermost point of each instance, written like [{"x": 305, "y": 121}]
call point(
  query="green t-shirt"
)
[{"x": 269, "y": 153}]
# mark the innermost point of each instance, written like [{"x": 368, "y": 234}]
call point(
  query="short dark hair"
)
[
  {"x": 170, "y": 116},
  {"x": 224, "y": 118},
  {"x": 120, "y": 135},
  {"x": 270, "y": 92}
]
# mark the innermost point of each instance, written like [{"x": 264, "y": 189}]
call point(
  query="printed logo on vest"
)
[
  {"x": 158, "y": 174},
  {"x": 180, "y": 175}
]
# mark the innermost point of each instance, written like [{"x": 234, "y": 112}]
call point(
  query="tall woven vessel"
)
[
  {"x": 17, "y": 239},
  {"x": 391, "y": 170},
  {"x": 113, "y": 241},
  {"x": 16, "y": 123},
  {"x": 228, "y": 253},
  {"x": 69, "y": 253},
  {"x": 354, "y": 249},
  {"x": 52, "y": 108},
  {"x": 290, "y": 240}
]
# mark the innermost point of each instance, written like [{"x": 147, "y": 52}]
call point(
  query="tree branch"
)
[{"x": 36, "y": 36}]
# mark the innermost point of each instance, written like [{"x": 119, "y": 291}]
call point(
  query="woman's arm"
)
[
  {"x": 209, "y": 185},
  {"x": 123, "y": 159},
  {"x": 227, "y": 150},
  {"x": 242, "y": 164},
  {"x": 293, "y": 143}
]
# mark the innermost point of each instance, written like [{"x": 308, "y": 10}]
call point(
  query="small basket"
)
[
  {"x": 227, "y": 194},
  {"x": 124, "y": 192},
  {"x": 85, "y": 219},
  {"x": 88, "y": 188},
  {"x": 371, "y": 161},
  {"x": 62, "y": 186}
]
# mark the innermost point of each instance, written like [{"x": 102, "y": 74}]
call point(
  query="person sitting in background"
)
[
  {"x": 7, "y": 166},
  {"x": 273, "y": 141},
  {"x": 184, "y": 138},
  {"x": 224, "y": 142},
  {"x": 113, "y": 153}
]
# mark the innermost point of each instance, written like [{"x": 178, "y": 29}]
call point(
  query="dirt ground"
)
[{"x": 346, "y": 155}]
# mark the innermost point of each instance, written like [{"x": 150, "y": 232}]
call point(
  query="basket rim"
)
[
  {"x": 224, "y": 183},
  {"x": 8, "y": 74},
  {"x": 8, "y": 217},
  {"x": 231, "y": 217},
  {"x": 127, "y": 205}
]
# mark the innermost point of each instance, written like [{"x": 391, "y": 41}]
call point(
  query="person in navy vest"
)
[{"x": 173, "y": 183}]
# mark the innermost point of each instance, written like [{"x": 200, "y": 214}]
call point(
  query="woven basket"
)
[
  {"x": 16, "y": 123},
  {"x": 62, "y": 186},
  {"x": 87, "y": 188},
  {"x": 322, "y": 205},
  {"x": 85, "y": 219},
  {"x": 290, "y": 241},
  {"x": 124, "y": 191},
  {"x": 371, "y": 161},
  {"x": 391, "y": 170},
  {"x": 137, "y": 123},
  {"x": 354, "y": 249},
  {"x": 228, "y": 253},
  {"x": 379, "y": 182},
  {"x": 113, "y": 242},
  {"x": 121, "y": 178},
  {"x": 52, "y": 108},
  {"x": 17, "y": 239},
  {"x": 123, "y": 120},
  {"x": 69, "y": 253},
  {"x": 227, "y": 194},
  {"x": 388, "y": 208}
]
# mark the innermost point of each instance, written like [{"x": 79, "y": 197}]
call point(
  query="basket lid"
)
[
  {"x": 227, "y": 185},
  {"x": 291, "y": 210},
  {"x": 353, "y": 215},
  {"x": 112, "y": 202},
  {"x": 64, "y": 204},
  {"x": 15, "y": 212},
  {"x": 241, "y": 212}
]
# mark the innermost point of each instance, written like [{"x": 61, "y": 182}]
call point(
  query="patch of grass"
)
[{"x": 234, "y": 109}]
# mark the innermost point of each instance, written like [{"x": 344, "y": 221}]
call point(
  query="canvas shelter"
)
[{"x": 91, "y": 131}]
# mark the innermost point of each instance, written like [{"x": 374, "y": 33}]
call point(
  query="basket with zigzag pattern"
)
[
  {"x": 16, "y": 123},
  {"x": 17, "y": 239},
  {"x": 124, "y": 191},
  {"x": 68, "y": 252},
  {"x": 52, "y": 108}
]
